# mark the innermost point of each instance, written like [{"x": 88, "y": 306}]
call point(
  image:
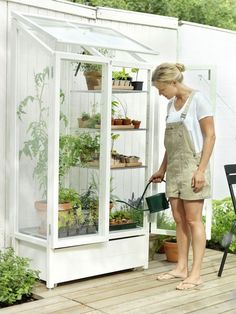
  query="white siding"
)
[
  {"x": 3, "y": 67},
  {"x": 216, "y": 47}
]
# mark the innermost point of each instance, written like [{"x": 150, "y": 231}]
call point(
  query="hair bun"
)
[{"x": 180, "y": 67}]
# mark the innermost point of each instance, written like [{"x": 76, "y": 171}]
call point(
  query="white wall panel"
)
[
  {"x": 3, "y": 93},
  {"x": 216, "y": 47}
]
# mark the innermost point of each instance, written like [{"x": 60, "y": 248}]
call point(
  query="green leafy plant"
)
[
  {"x": 74, "y": 216},
  {"x": 135, "y": 70},
  {"x": 121, "y": 215},
  {"x": 92, "y": 67},
  {"x": 69, "y": 195},
  {"x": 17, "y": 280},
  {"x": 222, "y": 218},
  {"x": 114, "y": 137},
  {"x": 76, "y": 150},
  {"x": 120, "y": 75},
  {"x": 85, "y": 116},
  {"x": 36, "y": 146},
  {"x": 114, "y": 106}
]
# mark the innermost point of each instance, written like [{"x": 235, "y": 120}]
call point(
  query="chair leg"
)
[
  {"x": 227, "y": 245},
  {"x": 222, "y": 264}
]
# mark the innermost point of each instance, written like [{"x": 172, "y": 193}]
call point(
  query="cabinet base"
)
[{"x": 71, "y": 263}]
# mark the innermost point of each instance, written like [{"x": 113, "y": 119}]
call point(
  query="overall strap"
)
[{"x": 184, "y": 113}]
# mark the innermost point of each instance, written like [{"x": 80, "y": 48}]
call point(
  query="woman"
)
[{"x": 189, "y": 141}]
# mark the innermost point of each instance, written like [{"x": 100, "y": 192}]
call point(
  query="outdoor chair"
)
[{"x": 230, "y": 171}]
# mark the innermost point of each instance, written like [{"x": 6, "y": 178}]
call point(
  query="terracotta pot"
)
[
  {"x": 82, "y": 123},
  {"x": 126, "y": 121},
  {"x": 118, "y": 121},
  {"x": 136, "y": 123},
  {"x": 171, "y": 251},
  {"x": 41, "y": 206},
  {"x": 93, "y": 79}
]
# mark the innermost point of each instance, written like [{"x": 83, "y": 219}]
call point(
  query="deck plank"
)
[{"x": 138, "y": 292}]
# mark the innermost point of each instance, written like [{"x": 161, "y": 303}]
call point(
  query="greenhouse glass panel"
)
[
  {"x": 33, "y": 100},
  {"x": 86, "y": 34}
]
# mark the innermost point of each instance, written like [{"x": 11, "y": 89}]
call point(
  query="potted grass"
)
[{"x": 138, "y": 85}]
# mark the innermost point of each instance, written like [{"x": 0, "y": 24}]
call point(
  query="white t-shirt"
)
[{"x": 199, "y": 108}]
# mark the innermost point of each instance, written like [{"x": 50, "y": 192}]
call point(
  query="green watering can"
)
[{"x": 155, "y": 203}]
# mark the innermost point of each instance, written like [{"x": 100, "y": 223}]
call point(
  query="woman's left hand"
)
[{"x": 198, "y": 181}]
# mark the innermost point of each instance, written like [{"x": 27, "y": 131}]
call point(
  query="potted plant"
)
[
  {"x": 114, "y": 105},
  {"x": 92, "y": 71},
  {"x": 77, "y": 150},
  {"x": 121, "y": 79},
  {"x": 171, "y": 249},
  {"x": 138, "y": 85},
  {"x": 68, "y": 200},
  {"x": 121, "y": 219},
  {"x": 83, "y": 121},
  {"x": 166, "y": 243},
  {"x": 136, "y": 123},
  {"x": 70, "y": 215}
]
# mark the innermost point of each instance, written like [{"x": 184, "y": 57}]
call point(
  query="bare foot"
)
[
  {"x": 189, "y": 284},
  {"x": 173, "y": 274}
]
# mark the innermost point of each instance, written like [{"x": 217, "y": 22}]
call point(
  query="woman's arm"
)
[
  {"x": 159, "y": 174},
  {"x": 208, "y": 133}
]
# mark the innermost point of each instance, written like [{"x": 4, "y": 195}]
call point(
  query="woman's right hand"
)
[{"x": 157, "y": 177}]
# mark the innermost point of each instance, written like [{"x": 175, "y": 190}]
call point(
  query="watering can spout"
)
[{"x": 156, "y": 203}]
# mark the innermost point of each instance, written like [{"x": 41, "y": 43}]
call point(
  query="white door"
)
[{"x": 200, "y": 78}]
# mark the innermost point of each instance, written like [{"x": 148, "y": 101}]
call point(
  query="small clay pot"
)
[
  {"x": 118, "y": 121},
  {"x": 136, "y": 123},
  {"x": 126, "y": 121}
]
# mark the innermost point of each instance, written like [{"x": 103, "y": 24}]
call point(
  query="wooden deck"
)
[{"x": 139, "y": 292}]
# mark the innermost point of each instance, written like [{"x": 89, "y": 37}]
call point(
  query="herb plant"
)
[
  {"x": 222, "y": 219},
  {"x": 17, "y": 280}
]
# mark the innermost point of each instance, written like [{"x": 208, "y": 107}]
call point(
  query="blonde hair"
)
[{"x": 168, "y": 72}]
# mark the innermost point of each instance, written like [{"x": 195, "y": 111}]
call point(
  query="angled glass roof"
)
[{"x": 90, "y": 35}]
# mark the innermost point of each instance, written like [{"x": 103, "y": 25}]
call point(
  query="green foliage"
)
[
  {"x": 69, "y": 195},
  {"x": 114, "y": 137},
  {"x": 135, "y": 70},
  {"x": 16, "y": 278},
  {"x": 222, "y": 219},
  {"x": 36, "y": 146},
  {"x": 93, "y": 67},
  {"x": 120, "y": 75},
  {"x": 85, "y": 116},
  {"x": 164, "y": 221},
  {"x": 219, "y": 13},
  {"x": 121, "y": 214},
  {"x": 76, "y": 150},
  {"x": 72, "y": 218}
]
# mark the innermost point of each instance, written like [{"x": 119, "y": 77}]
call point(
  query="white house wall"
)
[
  {"x": 3, "y": 93},
  {"x": 216, "y": 47}
]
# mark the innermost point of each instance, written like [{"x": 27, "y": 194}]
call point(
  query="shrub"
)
[
  {"x": 16, "y": 278},
  {"x": 222, "y": 219}
]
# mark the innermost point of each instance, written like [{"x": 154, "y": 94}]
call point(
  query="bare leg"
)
[
  {"x": 183, "y": 240},
  {"x": 193, "y": 210},
  {"x": 182, "y": 235}
]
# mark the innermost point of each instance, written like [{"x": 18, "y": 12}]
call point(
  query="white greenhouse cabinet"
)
[{"x": 65, "y": 151}]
